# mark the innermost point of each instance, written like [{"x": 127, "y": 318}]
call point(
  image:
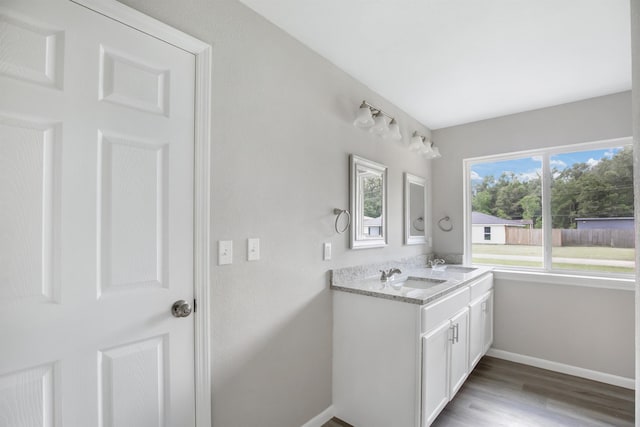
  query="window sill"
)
[{"x": 602, "y": 282}]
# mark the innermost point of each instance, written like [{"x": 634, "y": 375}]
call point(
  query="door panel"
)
[
  {"x": 435, "y": 372},
  {"x": 459, "y": 352},
  {"x": 488, "y": 322},
  {"x": 26, "y": 397},
  {"x": 27, "y": 164},
  {"x": 476, "y": 331},
  {"x": 120, "y": 400},
  {"x": 33, "y": 53},
  {"x": 96, "y": 221},
  {"x": 133, "y": 212},
  {"x": 132, "y": 83}
]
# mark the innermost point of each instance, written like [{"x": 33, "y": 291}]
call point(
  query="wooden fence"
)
[
  {"x": 599, "y": 237},
  {"x": 524, "y": 236},
  {"x": 566, "y": 237}
]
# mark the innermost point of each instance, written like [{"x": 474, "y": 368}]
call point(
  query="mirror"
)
[
  {"x": 415, "y": 208},
  {"x": 368, "y": 203}
]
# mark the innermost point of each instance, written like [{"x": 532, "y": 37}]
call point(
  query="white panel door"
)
[{"x": 96, "y": 221}]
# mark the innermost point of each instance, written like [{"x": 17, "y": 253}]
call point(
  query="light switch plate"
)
[
  {"x": 225, "y": 252},
  {"x": 327, "y": 252},
  {"x": 253, "y": 249}
]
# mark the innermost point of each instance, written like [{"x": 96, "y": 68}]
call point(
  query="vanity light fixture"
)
[
  {"x": 382, "y": 124},
  {"x": 378, "y": 122},
  {"x": 424, "y": 146}
]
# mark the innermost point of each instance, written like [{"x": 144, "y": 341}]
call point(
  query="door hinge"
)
[{"x": 195, "y": 305}]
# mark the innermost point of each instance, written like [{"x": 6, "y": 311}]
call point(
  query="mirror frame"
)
[
  {"x": 408, "y": 238},
  {"x": 357, "y": 162}
]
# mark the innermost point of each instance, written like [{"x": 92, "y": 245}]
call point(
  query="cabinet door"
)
[
  {"x": 435, "y": 386},
  {"x": 488, "y": 322},
  {"x": 477, "y": 321},
  {"x": 459, "y": 351}
]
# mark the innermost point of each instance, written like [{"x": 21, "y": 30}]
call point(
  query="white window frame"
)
[{"x": 545, "y": 154}]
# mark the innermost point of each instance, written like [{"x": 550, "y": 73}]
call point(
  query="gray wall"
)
[
  {"x": 282, "y": 133},
  {"x": 635, "y": 52},
  {"x": 589, "y": 328},
  {"x": 584, "y": 327}
]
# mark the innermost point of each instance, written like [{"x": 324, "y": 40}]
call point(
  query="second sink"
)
[
  {"x": 461, "y": 269},
  {"x": 421, "y": 282}
]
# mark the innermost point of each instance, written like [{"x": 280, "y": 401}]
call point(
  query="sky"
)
[{"x": 530, "y": 167}]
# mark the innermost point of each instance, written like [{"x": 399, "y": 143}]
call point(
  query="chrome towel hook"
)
[
  {"x": 443, "y": 228},
  {"x": 341, "y": 212}
]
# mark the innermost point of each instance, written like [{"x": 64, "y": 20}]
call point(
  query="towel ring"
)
[
  {"x": 418, "y": 224},
  {"x": 445, "y": 219},
  {"x": 340, "y": 212}
]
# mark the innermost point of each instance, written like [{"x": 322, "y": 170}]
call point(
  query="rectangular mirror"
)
[
  {"x": 368, "y": 203},
  {"x": 415, "y": 208}
]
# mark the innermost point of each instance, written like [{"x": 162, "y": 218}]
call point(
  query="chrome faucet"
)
[
  {"x": 387, "y": 275},
  {"x": 435, "y": 262}
]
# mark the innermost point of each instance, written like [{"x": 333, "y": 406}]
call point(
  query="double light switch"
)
[{"x": 225, "y": 251}]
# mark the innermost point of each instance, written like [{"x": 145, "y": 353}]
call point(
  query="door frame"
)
[{"x": 130, "y": 17}]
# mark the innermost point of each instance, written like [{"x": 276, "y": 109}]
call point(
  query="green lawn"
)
[
  {"x": 588, "y": 267},
  {"x": 507, "y": 262},
  {"x": 587, "y": 252},
  {"x": 508, "y": 250},
  {"x": 577, "y": 252},
  {"x": 556, "y": 265}
]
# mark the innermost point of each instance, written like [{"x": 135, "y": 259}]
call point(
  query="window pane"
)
[
  {"x": 592, "y": 210},
  {"x": 507, "y": 214}
]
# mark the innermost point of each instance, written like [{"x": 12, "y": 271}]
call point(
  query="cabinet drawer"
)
[
  {"x": 481, "y": 286},
  {"x": 440, "y": 311}
]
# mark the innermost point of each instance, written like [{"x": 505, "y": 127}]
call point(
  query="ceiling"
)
[{"x": 447, "y": 62}]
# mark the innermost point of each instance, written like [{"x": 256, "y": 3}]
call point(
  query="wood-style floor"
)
[{"x": 502, "y": 393}]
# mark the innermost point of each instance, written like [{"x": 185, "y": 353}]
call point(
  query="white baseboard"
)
[
  {"x": 320, "y": 419},
  {"x": 564, "y": 369}
]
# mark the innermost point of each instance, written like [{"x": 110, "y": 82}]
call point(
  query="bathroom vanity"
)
[{"x": 401, "y": 350}]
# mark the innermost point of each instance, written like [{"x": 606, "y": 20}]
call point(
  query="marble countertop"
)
[{"x": 395, "y": 290}]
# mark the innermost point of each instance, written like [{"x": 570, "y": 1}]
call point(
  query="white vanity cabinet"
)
[
  {"x": 445, "y": 351},
  {"x": 398, "y": 363}
]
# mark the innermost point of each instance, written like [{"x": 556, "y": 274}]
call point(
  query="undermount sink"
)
[
  {"x": 461, "y": 269},
  {"x": 421, "y": 282}
]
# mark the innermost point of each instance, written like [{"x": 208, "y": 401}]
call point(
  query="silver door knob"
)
[{"x": 181, "y": 308}]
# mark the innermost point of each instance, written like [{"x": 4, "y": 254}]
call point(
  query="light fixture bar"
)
[
  {"x": 375, "y": 110},
  {"x": 422, "y": 137}
]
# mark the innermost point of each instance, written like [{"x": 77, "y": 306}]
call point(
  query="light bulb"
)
[
  {"x": 381, "y": 125},
  {"x": 416, "y": 143},
  {"x": 364, "y": 119},
  {"x": 394, "y": 131},
  {"x": 427, "y": 151}
]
